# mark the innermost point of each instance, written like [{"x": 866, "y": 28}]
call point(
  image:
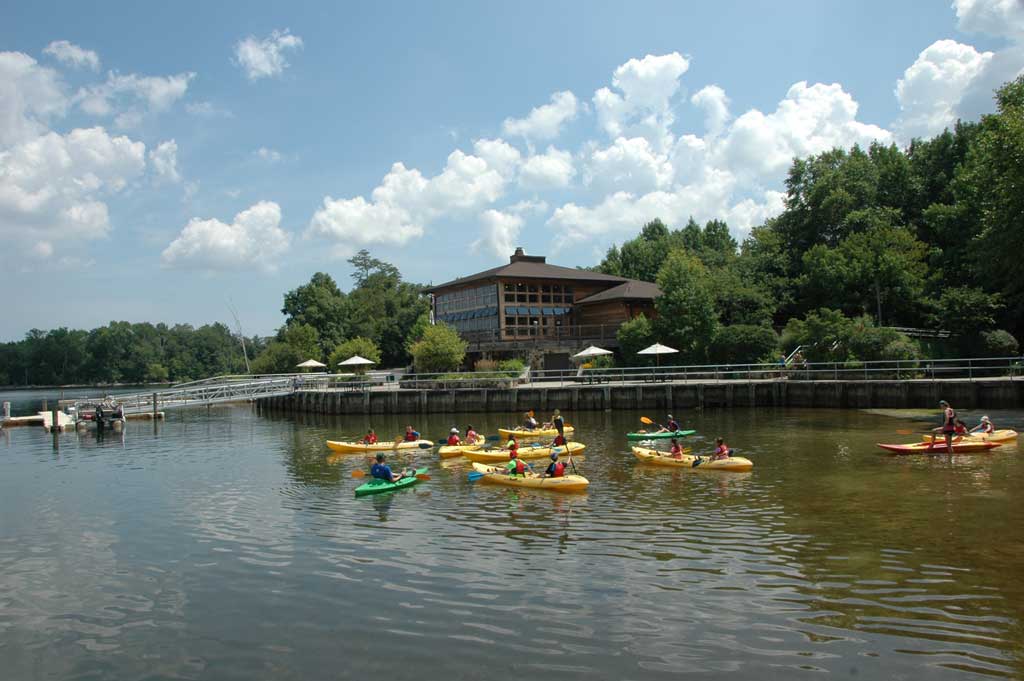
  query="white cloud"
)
[
  {"x": 642, "y": 107},
  {"x": 499, "y": 233},
  {"x": 51, "y": 187},
  {"x": 164, "y": 159},
  {"x": 628, "y": 165},
  {"x": 544, "y": 122},
  {"x": 810, "y": 119},
  {"x": 72, "y": 55},
  {"x": 551, "y": 170},
  {"x": 265, "y": 58},
  {"x": 30, "y": 95},
  {"x": 932, "y": 87},
  {"x": 406, "y": 201},
  {"x": 499, "y": 155},
  {"x": 131, "y": 96},
  {"x": 994, "y": 17},
  {"x": 715, "y": 104},
  {"x": 254, "y": 239},
  {"x": 268, "y": 155},
  {"x": 207, "y": 110}
]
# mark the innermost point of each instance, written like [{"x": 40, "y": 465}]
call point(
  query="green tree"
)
[
  {"x": 744, "y": 344},
  {"x": 440, "y": 350},
  {"x": 686, "y": 309},
  {"x": 634, "y": 336},
  {"x": 277, "y": 358},
  {"x": 384, "y": 308},
  {"x": 321, "y": 305},
  {"x": 303, "y": 338},
  {"x": 364, "y": 347}
]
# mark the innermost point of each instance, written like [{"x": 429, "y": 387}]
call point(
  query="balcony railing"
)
[{"x": 567, "y": 332}]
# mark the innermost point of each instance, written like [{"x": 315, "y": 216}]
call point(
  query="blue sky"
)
[{"x": 157, "y": 162}]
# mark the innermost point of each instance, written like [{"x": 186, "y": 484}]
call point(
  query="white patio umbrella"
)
[
  {"x": 355, "y": 361},
  {"x": 658, "y": 350},
  {"x": 310, "y": 364},
  {"x": 593, "y": 351}
]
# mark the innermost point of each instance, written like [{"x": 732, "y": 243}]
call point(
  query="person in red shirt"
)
[
  {"x": 960, "y": 428},
  {"x": 411, "y": 435},
  {"x": 471, "y": 435},
  {"x": 370, "y": 438},
  {"x": 556, "y": 468},
  {"x": 676, "y": 451},
  {"x": 453, "y": 437}
]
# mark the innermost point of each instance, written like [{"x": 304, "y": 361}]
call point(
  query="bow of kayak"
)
[
  {"x": 733, "y": 464},
  {"x": 377, "y": 486},
  {"x": 567, "y": 483},
  {"x": 449, "y": 451},
  {"x": 501, "y": 455}
]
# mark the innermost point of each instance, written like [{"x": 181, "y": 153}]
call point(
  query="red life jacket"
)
[
  {"x": 960, "y": 430},
  {"x": 520, "y": 467},
  {"x": 559, "y": 469},
  {"x": 370, "y": 439},
  {"x": 453, "y": 439},
  {"x": 559, "y": 441}
]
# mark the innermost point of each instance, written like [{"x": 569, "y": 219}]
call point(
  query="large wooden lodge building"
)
[{"x": 531, "y": 305}]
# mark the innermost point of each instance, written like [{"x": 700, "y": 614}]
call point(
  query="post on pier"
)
[
  {"x": 55, "y": 419},
  {"x": 154, "y": 407}
]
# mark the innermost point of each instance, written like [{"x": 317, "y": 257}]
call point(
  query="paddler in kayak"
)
[
  {"x": 512, "y": 446},
  {"x": 671, "y": 427},
  {"x": 382, "y": 471},
  {"x": 411, "y": 435},
  {"x": 370, "y": 438},
  {"x": 960, "y": 428},
  {"x": 556, "y": 469},
  {"x": 986, "y": 427},
  {"x": 453, "y": 438},
  {"x": 515, "y": 464},
  {"x": 948, "y": 427},
  {"x": 676, "y": 451},
  {"x": 530, "y": 423},
  {"x": 722, "y": 451},
  {"x": 471, "y": 435}
]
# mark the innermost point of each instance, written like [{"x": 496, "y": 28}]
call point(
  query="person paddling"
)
[
  {"x": 529, "y": 423},
  {"x": 471, "y": 435},
  {"x": 382, "y": 471},
  {"x": 515, "y": 464},
  {"x": 556, "y": 469},
  {"x": 370, "y": 438},
  {"x": 512, "y": 445},
  {"x": 960, "y": 428},
  {"x": 671, "y": 427},
  {"x": 453, "y": 437},
  {"x": 722, "y": 451},
  {"x": 985, "y": 427},
  {"x": 948, "y": 427},
  {"x": 411, "y": 435},
  {"x": 676, "y": 451}
]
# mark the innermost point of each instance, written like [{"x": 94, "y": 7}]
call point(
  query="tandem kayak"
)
[
  {"x": 501, "y": 455},
  {"x": 939, "y": 447},
  {"x": 524, "y": 434},
  {"x": 353, "y": 447},
  {"x": 1005, "y": 435},
  {"x": 733, "y": 464},
  {"x": 566, "y": 483},
  {"x": 659, "y": 436},
  {"x": 378, "y": 486}
]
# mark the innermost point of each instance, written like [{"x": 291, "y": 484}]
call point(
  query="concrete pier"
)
[{"x": 968, "y": 394}]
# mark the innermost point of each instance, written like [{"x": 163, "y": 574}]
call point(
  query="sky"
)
[{"x": 171, "y": 162}]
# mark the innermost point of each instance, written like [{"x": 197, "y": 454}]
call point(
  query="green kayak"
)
[
  {"x": 377, "y": 486},
  {"x": 659, "y": 436}
]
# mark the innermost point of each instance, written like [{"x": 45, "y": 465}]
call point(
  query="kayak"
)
[
  {"x": 377, "y": 486},
  {"x": 940, "y": 447},
  {"x": 353, "y": 447},
  {"x": 733, "y": 464},
  {"x": 1004, "y": 435},
  {"x": 501, "y": 455},
  {"x": 659, "y": 436},
  {"x": 523, "y": 434},
  {"x": 566, "y": 483},
  {"x": 449, "y": 451}
]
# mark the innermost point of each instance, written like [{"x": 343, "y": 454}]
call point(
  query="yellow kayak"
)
[
  {"x": 1004, "y": 435},
  {"x": 735, "y": 464},
  {"x": 354, "y": 447},
  {"x": 567, "y": 483},
  {"x": 449, "y": 451},
  {"x": 523, "y": 434},
  {"x": 501, "y": 455}
]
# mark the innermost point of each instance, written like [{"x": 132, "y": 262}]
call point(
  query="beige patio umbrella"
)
[
  {"x": 658, "y": 350},
  {"x": 310, "y": 364},
  {"x": 592, "y": 351}
]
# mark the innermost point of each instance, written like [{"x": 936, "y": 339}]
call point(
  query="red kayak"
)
[{"x": 940, "y": 447}]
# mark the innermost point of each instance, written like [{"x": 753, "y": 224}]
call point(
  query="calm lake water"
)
[{"x": 228, "y": 545}]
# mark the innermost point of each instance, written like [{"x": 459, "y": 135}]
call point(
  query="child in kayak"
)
[
  {"x": 453, "y": 437},
  {"x": 515, "y": 464},
  {"x": 985, "y": 427},
  {"x": 529, "y": 423},
  {"x": 671, "y": 427},
  {"x": 722, "y": 451},
  {"x": 411, "y": 435},
  {"x": 676, "y": 451},
  {"x": 960, "y": 428},
  {"x": 471, "y": 435},
  {"x": 370, "y": 438},
  {"x": 556, "y": 468},
  {"x": 512, "y": 445},
  {"x": 382, "y": 471}
]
